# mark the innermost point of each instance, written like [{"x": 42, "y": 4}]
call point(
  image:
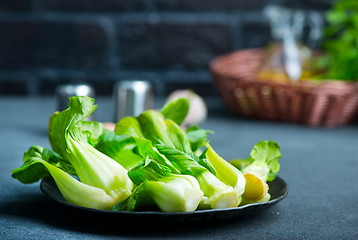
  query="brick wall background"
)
[{"x": 44, "y": 43}]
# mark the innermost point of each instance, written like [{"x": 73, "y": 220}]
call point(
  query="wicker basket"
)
[{"x": 330, "y": 103}]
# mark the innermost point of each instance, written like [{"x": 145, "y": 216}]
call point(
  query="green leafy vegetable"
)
[
  {"x": 147, "y": 161},
  {"x": 92, "y": 167},
  {"x": 176, "y": 110},
  {"x": 93, "y": 130},
  {"x": 129, "y": 127},
  {"x": 241, "y": 164},
  {"x": 197, "y": 137},
  {"x": 182, "y": 161},
  {"x": 32, "y": 171},
  {"x": 154, "y": 128},
  {"x": 173, "y": 143},
  {"x": 176, "y": 193},
  {"x": 340, "y": 42},
  {"x": 148, "y": 170},
  {"x": 217, "y": 194},
  {"x": 261, "y": 167},
  {"x": 158, "y": 186},
  {"x": 177, "y": 136},
  {"x": 121, "y": 148},
  {"x": 227, "y": 173},
  {"x": 40, "y": 162},
  {"x": 265, "y": 155}
]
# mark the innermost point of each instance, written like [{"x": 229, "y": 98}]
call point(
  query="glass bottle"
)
[{"x": 286, "y": 58}]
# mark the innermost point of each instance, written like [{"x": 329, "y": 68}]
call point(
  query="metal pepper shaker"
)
[
  {"x": 64, "y": 92},
  {"x": 131, "y": 98}
]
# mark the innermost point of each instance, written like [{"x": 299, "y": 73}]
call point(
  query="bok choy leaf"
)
[
  {"x": 262, "y": 166},
  {"x": 40, "y": 162},
  {"x": 176, "y": 110},
  {"x": 217, "y": 194},
  {"x": 72, "y": 143},
  {"x": 158, "y": 186}
]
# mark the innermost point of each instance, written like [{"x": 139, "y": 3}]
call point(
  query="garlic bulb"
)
[
  {"x": 109, "y": 126},
  {"x": 198, "y": 109}
]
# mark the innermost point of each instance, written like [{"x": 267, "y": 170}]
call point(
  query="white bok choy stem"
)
[{"x": 225, "y": 172}]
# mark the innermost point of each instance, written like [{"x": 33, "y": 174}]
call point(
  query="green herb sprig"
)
[{"x": 341, "y": 42}]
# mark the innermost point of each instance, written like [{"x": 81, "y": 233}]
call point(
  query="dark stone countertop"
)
[{"x": 319, "y": 165}]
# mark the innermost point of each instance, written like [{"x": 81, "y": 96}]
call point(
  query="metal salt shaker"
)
[
  {"x": 131, "y": 98},
  {"x": 64, "y": 92}
]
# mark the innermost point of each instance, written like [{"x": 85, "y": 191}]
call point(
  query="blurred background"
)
[{"x": 45, "y": 43}]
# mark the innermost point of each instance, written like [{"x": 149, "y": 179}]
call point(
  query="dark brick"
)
[
  {"x": 172, "y": 45},
  {"x": 309, "y": 4},
  {"x": 15, "y": 85},
  {"x": 212, "y": 4},
  {"x": 93, "y": 5},
  {"x": 48, "y": 86},
  {"x": 255, "y": 32},
  {"x": 15, "y": 5},
  {"x": 202, "y": 89},
  {"x": 199, "y": 82},
  {"x": 40, "y": 43}
]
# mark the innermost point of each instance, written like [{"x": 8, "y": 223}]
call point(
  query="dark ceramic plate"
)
[{"x": 278, "y": 190}]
